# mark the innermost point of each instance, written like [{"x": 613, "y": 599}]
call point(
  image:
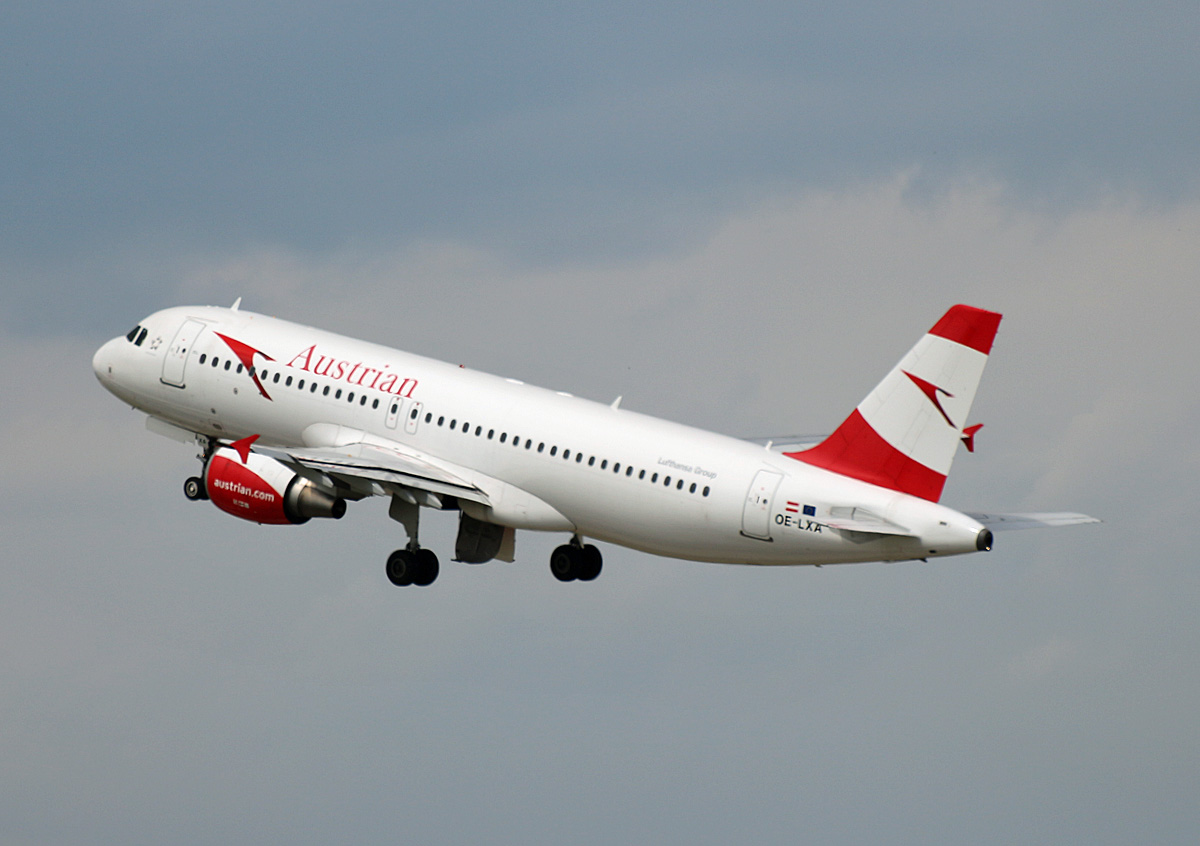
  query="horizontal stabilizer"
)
[
  {"x": 851, "y": 519},
  {"x": 1037, "y": 520}
]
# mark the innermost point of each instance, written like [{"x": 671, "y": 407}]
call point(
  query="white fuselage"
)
[{"x": 562, "y": 463}]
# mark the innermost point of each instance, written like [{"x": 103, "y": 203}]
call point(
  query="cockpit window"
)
[
  {"x": 141, "y": 337},
  {"x": 133, "y": 333}
]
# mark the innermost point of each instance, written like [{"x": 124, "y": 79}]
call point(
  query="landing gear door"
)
[
  {"x": 756, "y": 515},
  {"x": 177, "y": 353}
]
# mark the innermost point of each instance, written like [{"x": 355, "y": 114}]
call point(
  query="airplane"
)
[{"x": 292, "y": 423}]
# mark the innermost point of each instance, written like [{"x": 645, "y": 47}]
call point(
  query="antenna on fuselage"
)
[{"x": 235, "y": 305}]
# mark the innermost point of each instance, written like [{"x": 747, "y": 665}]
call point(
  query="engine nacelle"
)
[{"x": 265, "y": 491}]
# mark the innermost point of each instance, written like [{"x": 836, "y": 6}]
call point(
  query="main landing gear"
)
[
  {"x": 576, "y": 560},
  {"x": 414, "y": 566}
]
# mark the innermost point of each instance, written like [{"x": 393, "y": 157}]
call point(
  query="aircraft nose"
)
[{"x": 102, "y": 361}]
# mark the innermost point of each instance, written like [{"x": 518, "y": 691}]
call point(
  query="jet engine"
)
[{"x": 263, "y": 490}]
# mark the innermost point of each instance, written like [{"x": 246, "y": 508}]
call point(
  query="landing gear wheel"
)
[
  {"x": 591, "y": 563},
  {"x": 565, "y": 561},
  {"x": 193, "y": 488},
  {"x": 401, "y": 567},
  {"x": 427, "y": 568}
]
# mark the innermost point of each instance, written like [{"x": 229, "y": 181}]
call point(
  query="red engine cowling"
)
[{"x": 264, "y": 491}]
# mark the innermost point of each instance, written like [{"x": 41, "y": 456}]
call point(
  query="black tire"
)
[
  {"x": 193, "y": 488},
  {"x": 591, "y": 565},
  {"x": 564, "y": 563},
  {"x": 427, "y": 568},
  {"x": 401, "y": 567}
]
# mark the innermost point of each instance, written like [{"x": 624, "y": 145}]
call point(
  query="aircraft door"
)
[
  {"x": 414, "y": 417},
  {"x": 393, "y": 412},
  {"x": 177, "y": 353},
  {"x": 756, "y": 515}
]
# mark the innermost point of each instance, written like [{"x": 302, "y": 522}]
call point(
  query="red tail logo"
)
[{"x": 931, "y": 390}]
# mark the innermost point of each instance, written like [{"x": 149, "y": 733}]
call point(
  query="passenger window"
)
[
  {"x": 299, "y": 385},
  {"x": 566, "y": 455},
  {"x": 312, "y": 389},
  {"x": 604, "y": 464},
  {"x": 503, "y": 437},
  {"x": 428, "y": 416},
  {"x": 679, "y": 485},
  {"x": 441, "y": 420},
  {"x": 276, "y": 379},
  {"x": 579, "y": 458},
  {"x": 692, "y": 489},
  {"x": 375, "y": 403},
  {"x": 491, "y": 433},
  {"x": 629, "y": 471},
  {"x": 337, "y": 394},
  {"x": 239, "y": 370},
  {"x": 617, "y": 467},
  {"x": 541, "y": 447},
  {"x": 653, "y": 478},
  {"x": 592, "y": 461},
  {"x": 705, "y": 492},
  {"x": 326, "y": 391},
  {"x": 203, "y": 357},
  {"x": 529, "y": 443},
  {"x": 363, "y": 401},
  {"x": 412, "y": 416},
  {"x": 554, "y": 450},
  {"x": 350, "y": 397},
  {"x": 478, "y": 431},
  {"x": 227, "y": 363},
  {"x": 641, "y": 474},
  {"x": 216, "y": 361}
]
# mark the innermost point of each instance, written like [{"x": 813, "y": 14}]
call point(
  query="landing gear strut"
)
[{"x": 576, "y": 560}]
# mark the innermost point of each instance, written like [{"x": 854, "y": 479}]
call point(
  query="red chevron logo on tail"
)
[{"x": 931, "y": 390}]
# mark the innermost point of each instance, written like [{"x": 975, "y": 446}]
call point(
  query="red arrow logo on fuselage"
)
[{"x": 245, "y": 354}]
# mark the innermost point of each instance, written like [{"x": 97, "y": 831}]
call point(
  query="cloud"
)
[{"x": 139, "y": 617}]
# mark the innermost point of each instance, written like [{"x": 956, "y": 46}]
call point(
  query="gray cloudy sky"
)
[{"x": 737, "y": 216}]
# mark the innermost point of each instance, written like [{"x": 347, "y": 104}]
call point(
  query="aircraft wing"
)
[
  {"x": 1036, "y": 520},
  {"x": 372, "y": 469}
]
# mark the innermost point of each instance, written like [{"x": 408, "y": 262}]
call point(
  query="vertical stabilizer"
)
[{"x": 903, "y": 436}]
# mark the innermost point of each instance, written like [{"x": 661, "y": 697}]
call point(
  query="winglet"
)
[
  {"x": 243, "y": 447},
  {"x": 968, "y": 437},
  {"x": 235, "y": 305}
]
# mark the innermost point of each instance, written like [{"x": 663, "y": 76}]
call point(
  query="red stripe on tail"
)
[
  {"x": 972, "y": 327},
  {"x": 856, "y": 450}
]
